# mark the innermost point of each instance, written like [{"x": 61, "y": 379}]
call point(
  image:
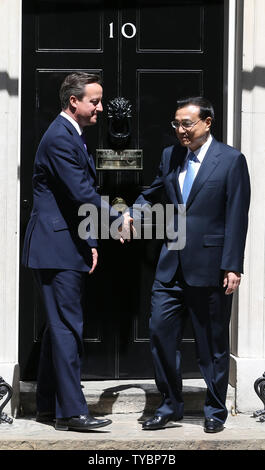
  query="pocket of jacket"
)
[
  {"x": 59, "y": 224},
  {"x": 213, "y": 240}
]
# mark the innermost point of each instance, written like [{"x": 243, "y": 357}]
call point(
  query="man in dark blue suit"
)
[
  {"x": 212, "y": 180},
  {"x": 64, "y": 178}
]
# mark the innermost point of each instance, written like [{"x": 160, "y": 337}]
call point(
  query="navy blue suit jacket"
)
[
  {"x": 64, "y": 177},
  {"x": 216, "y": 214}
]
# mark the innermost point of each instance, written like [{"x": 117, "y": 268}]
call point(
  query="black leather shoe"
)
[
  {"x": 80, "y": 423},
  {"x": 45, "y": 417},
  {"x": 158, "y": 422},
  {"x": 212, "y": 425}
]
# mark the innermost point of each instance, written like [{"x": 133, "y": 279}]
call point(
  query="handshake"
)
[{"x": 126, "y": 230}]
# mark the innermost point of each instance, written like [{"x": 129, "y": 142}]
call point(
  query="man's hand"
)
[
  {"x": 231, "y": 281},
  {"x": 127, "y": 228},
  {"x": 94, "y": 260}
]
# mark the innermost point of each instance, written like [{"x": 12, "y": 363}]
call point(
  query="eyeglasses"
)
[{"x": 184, "y": 124}]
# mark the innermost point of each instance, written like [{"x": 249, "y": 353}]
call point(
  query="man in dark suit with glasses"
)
[{"x": 212, "y": 180}]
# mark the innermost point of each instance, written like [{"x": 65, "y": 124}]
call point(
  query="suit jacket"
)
[
  {"x": 64, "y": 177},
  {"x": 216, "y": 214}
]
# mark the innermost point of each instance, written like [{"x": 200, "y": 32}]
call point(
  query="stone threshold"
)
[{"x": 127, "y": 396}]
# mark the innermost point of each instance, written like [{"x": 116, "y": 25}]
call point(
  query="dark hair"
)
[
  {"x": 74, "y": 84},
  {"x": 206, "y": 108}
]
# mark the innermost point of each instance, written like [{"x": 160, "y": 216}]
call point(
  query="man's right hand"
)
[{"x": 127, "y": 229}]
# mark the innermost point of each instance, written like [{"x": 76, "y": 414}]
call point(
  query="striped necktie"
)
[{"x": 189, "y": 177}]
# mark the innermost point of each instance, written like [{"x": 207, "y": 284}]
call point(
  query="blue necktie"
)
[
  {"x": 190, "y": 176},
  {"x": 85, "y": 147},
  {"x": 84, "y": 140}
]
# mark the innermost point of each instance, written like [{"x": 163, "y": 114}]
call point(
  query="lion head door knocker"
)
[
  {"x": 5, "y": 388},
  {"x": 119, "y": 125},
  {"x": 119, "y": 156},
  {"x": 119, "y": 163}
]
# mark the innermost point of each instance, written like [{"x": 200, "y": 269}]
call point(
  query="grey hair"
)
[{"x": 74, "y": 85}]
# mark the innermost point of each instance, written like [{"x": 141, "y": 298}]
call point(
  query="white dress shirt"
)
[
  {"x": 75, "y": 124},
  {"x": 200, "y": 154}
]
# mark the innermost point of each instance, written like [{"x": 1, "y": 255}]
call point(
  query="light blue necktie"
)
[{"x": 190, "y": 176}]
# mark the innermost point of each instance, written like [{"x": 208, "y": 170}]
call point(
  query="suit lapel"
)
[
  {"x": 91, "y": 162},
  {"x": 87, "y": 159},
  {"x": 174, "y": 187},
  {"x": 176, "y": 161},
  {"x": 210, "y": 161}
]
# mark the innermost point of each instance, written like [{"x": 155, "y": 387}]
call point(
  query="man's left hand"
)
[
  {"x": 231, "y": 281},
  {"x": 94, "y": 260}
]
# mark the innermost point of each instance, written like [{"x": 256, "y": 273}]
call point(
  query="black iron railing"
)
[
  {"x": 5, "y": 389},
  {"x": 259, "y": 387}
]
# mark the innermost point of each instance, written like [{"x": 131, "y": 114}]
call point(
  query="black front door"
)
[{"x": 150, "y": 53}]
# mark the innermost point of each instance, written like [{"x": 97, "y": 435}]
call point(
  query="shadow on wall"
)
[
  {"x": 8, "y": 84},
  {"x": 254, "y": 78}
]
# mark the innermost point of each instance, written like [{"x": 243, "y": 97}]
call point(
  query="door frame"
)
[{"x": 233, "y": 21}]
